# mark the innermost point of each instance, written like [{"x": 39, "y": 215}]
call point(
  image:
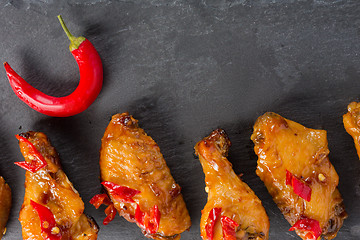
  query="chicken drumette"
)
[
  {"x": 138, "y": 181},
  {"x": 52, "y": 208},
  {"x": 5, "y": 205},
  {"x": 233, "y": 211},
  {"x": 294, "y": 165},
  {"x": 352, "y": 123}
]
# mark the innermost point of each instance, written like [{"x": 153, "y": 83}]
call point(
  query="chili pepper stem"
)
[{"x": 75, "y": 41}]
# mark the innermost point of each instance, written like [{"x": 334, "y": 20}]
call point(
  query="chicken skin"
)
[
  {"x": 138, "y": 181},
  {"x": 293, "y": 163},
  {"x": 228, "y": 197},
  {"x": 351, "y": 122},
  {"x": 52, "y": 208},
  {"x": 5, "y": 205}
]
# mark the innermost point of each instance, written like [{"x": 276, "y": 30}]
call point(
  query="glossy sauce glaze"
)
[
  {"x": 5, "y": 205},
  {"x": 351, "y": 122},
  {"x": 226, "y": 191},
  {"x": 283, "y": 145},
  {"x": 50, "y": 187},
  {"x": 131, "y": 158}
]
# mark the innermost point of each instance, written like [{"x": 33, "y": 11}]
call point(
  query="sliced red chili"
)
[
  {"x": 212, "y": 218},
  {"x": 48, "y": 224},
  {"x": 99, "y": 199},
  {"x": 150, "y": 222},
  {"x": 139, "y": 215},
  {"x": 110, "y": 212},
  {"x": 38, "y": 160},
  {"x": 228, "y": 228},
  {"x": 121, "y": 193},
  {"x": 299, "y": 187},
  {"x": 91, "y": 80},
  {"x": 310, "y": 225}
]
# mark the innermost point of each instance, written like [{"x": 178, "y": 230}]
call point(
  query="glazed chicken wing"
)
[
  {"x": 5, "y": 205},
  {"x": 352, "y": 123},
  {"x": 294, "y": 165},
  {"x": 233, "y": 211},
  {"x": 52, "y": 208},
  {"x": 138, "y": 181}
]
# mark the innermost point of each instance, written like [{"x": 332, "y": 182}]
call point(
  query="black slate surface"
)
[{"x": 184, "y": 68}]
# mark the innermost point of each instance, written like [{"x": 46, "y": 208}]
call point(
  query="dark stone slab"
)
[{"x": 184, "y": 68}]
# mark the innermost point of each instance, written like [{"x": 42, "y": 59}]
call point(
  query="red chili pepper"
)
[
  {"x": 38, "y": 160},
  {"x": 212, "y": 218},
  {"x": 150, "y": 222},
  {"x": 110, "y": 211},
  {"x": 99, "y": 199},
  {"x": 91, "y": 79},
  {"x": 139, "y": 215},
  {"x": 310, "y": 225},
  {"x": 48, "y": 225},
  {"x": 229, "y": 228},
  {"x": 121, "y": 193},
  {"x": 299, "y": 187}
]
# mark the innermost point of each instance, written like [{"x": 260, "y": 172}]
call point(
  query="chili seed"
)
[
  {"x": 55, "y": 230},
  {"x": 45, "y": 224},
  {"x": 321, "y": 177}
]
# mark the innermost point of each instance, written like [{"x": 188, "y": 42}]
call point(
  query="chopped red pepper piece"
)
[
  {"x": 228, "y": 225},
  {"x": 139, "y": 215},
  {"x": 300, "y": 188},
  {"x": 110, "y": 211},
  {"x": 229, "y": 228},
  {"x": 150, "y": 222},
  {"x": 310, "y": 225},
  {"x": 49, "y": 227},
  {"x": 121, "y": 193},
  {"x": 38, "y": 161},
  {"x": 99, "y": 199},
  {"x": 212, "y": 218}
]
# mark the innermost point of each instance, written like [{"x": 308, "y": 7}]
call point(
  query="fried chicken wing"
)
[
  {"x": 293, "y": 163},
  {"x": 228, "y": 196},
  {"x": 138, "y": 181},
  {"x": 5, "y": 205},
  {"x": 52, "y": 208},
  {"x": 351, "y": 122}
]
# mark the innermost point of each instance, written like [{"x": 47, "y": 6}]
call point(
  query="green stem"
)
[
  {"x": 74, "y": 41},
  {"x": 66, "y": 30}
]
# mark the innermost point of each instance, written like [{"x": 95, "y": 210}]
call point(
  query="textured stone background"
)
[{"x": 184, "y": 68}]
